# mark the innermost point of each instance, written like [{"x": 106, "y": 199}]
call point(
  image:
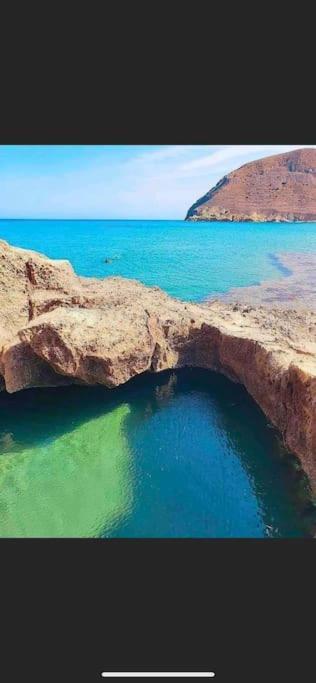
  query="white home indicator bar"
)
[{"x": 158, "y": 674}]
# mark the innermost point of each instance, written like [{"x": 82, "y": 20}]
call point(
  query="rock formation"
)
[
  {"x": 277, "y": 188},
  {"x": 57, "y": 328}
]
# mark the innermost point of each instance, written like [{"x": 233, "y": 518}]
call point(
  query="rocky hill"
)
[{"x": 277, "y": 188}]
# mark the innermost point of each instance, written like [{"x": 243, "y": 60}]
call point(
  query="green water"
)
[
  {"x": 173, "y": 455},
  {"x": 75, "y": 484}
]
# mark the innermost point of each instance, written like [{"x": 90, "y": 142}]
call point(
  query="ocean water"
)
[
  {"x": 188, "y": 260},
  {"x": 184, "y": 454}
]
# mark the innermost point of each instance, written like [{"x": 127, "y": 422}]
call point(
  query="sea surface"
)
[{"x": 185, "y": 454}]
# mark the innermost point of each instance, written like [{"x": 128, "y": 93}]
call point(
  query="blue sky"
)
[{"x": 107, "y": 181}]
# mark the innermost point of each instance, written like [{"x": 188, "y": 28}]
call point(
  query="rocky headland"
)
[
  {"x": 278, "y": 188},
  {"x": 57, "y": 328}
]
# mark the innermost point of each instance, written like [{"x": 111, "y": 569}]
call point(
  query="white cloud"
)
[
  {"x": 168, "y": 152},
  {"x": 233, "y": 151}
]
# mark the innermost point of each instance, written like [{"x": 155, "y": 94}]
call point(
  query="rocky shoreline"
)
[{"x": 57, "y": 328}]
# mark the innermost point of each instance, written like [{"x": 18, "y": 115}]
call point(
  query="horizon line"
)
[{"x": 60, "y": 218}]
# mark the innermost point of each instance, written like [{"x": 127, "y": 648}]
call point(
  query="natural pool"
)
[
  {"x": 172, "y": 455},
  {"x": 184, "y": 454}
]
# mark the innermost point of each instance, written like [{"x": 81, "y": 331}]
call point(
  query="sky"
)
[{"x": 115, "y": 181}]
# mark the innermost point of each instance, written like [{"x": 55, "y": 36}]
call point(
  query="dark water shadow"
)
[
  {"x": 266, "y": 471},
  {"x": 277, "y": 263}
]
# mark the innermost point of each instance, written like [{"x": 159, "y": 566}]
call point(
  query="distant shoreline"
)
[{"x": 160, "y": 220}]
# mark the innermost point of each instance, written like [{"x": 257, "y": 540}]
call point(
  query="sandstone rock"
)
[
  {"x": 277, "y": 188},
  {"x": 57, "y": 328}
]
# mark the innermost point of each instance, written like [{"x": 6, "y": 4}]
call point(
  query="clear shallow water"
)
[
  {"x": 180, "y": 455},
  {"x": 188, "y": 455},
  {"x": 188, "y": 260}
]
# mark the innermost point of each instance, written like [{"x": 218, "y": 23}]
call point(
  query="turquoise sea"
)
[
  {"x": 184, "y": 454},
  {"x": 188, "y": 260}
]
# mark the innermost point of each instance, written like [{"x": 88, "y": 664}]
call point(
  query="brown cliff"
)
[
  {"x": 58, "y": 328},
  {"x": 277, "y": 188}
]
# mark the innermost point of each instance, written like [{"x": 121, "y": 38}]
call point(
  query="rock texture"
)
[
  {"x": 277, "y": 188},
  {"x": 57, "y": 328}
]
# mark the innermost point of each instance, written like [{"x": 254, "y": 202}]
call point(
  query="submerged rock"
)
[{"x": 57, "y": 328}]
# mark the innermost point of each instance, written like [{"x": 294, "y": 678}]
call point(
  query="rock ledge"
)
[{"x": 57, "y": 328}]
